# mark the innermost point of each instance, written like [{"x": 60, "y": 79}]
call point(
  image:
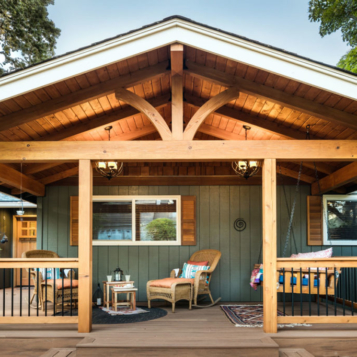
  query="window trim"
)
[{"x": 133, "y": 242}]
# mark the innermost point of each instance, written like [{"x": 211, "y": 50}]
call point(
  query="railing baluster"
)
[
  {"x": 352, "y": 290},
  {"x": 29, "y": 292},
  {"x": 3, "y": 291},
  {"x": 54, "y": 291},
  {"x": 326, "y": 287},
  {"x": 300, "y": 292},
  {"x": 12, "y": 291},
  {"x": 318, "y": 292},
  {"x": 344, "y": 291},
  {"x": 292, "y": 291},
  {"x": 21, "y": 292},
  {"x": 62, "y": 291},
  {"x": 37, "y": 288},
  {"x": 45, "y": 302},
  {"x": 335, "y": 290},
  {"x": 284, "y": 291},
  {"x": 71, "y": 273},
  {"x": 309, "y": 292}
]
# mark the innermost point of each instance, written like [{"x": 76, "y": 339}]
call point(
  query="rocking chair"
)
[{"x": 166, "y": 289}]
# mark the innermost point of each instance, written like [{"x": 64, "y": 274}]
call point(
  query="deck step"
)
[
  {"x": 294, "y": 352},
  {"x": 188, "y": 344},
  {"x": 60, "y": 352}
]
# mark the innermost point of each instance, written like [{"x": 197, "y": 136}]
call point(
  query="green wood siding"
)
[{"x": 217, "y": 209}]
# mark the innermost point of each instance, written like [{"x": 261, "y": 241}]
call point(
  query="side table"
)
[
  {"x": 106, "y": 289},
  {"x": 131, "y": 298}
]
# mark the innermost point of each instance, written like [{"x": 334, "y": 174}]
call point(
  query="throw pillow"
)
[
  {"x": 189, "y": 271},
  {"x": 197, "y": 263}
]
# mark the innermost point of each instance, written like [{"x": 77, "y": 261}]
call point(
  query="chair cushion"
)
[
  {"x": 66, "y": 283},
  {"x": 167, "y": 282},
  {"x": 198, "y": 263}
]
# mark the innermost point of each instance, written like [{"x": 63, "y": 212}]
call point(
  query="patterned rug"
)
[{"x": 249, "y": 315}]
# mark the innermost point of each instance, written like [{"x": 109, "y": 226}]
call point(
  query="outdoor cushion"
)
[
  {"x": 167, "y": 282},
  {"x": 198, "y": 263},
  {"x": 66, "y": 283},
  {"x": 327, "y": 253}
]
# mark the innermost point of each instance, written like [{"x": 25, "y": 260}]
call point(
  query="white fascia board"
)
[
  {"x": 187, "y": 33},
  {"x": 17, "y": 204}
]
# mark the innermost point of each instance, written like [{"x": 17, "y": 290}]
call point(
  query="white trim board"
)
[{"x": 187, "y": 33}]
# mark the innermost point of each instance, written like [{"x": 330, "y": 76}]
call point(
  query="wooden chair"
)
[
  {"x": 179, "y": 289},
  {"x": 54, "y": 293}
]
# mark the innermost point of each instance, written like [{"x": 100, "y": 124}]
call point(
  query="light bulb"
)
[
  {"x": 253, "y": 164},
  {"x": 242, "y": 165},
  {"x": 101, "y": 165},
  {"x": 112, "y": 165}
]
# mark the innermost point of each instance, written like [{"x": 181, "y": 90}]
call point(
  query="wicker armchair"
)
[
  {"x": 54, "y": 293},
  {"x": 179, "y": 289}
]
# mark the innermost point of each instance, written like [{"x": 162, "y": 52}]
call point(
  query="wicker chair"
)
[
  {"x": 179, "y": 291},
  {"x": 54, "y": 294}
]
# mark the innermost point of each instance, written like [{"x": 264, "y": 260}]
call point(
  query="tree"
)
[
  {"x": 161, "y": 229},
  {"x": 27, "y": 35},
  {"x": 336, "y": 15}
]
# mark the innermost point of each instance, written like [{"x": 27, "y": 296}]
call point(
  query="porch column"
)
[
  {"x": 85, "y": 246},
  {"x": 270, "y": 304}
]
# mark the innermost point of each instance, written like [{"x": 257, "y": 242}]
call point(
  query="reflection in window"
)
[
  {"x": 112, "y": 220},
  {"x": 155, "y": 220}
]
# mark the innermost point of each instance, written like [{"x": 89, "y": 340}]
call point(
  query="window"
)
[
  {"x": 340, "y": 211},
  {"x": 136, "y": 220}
]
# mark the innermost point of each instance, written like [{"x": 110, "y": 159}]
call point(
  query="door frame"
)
[{"x": 14, "y": 236}]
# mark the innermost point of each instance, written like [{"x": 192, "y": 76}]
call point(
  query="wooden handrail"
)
[
  {"x": 335, "y": 262},
  {"x": 38, "y": 263}
]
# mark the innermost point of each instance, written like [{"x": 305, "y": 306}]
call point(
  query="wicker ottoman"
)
[{"x": 171, "y": 290}]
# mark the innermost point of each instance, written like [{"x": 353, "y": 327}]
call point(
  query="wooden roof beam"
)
[
  {"x": 273, "y": 95},
  {"x": 176, "y": 51},
  {"x": 230, "y": 113},
  {"x": 337, "y": 179},
  {"x": 82, "y": 96},
  {"x": 16, "y": 179}
]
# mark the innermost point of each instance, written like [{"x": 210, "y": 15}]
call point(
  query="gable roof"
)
[{"x": 186, "y": 31}]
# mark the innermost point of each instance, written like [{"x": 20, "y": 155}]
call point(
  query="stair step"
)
[
  {"x": 60, "y": 352},
  {"x": 294, "y": 352},
  {"x": 164, "y": 344}
]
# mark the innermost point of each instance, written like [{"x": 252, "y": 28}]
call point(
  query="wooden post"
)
[
  {"x": 177, "y": 91},
  {"x": 270, "y": 303},
  {"x": 85, "y": 246}
]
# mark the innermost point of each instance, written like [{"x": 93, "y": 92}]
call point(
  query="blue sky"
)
[{"x": 281, "y": 23}]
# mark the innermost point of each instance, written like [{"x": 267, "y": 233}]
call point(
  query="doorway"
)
[{"x": 25, "y": 238}]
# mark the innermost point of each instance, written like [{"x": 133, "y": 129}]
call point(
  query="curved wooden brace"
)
[
  {"x": 146, "y": 108},
  {"x": 209, "y": 107}
]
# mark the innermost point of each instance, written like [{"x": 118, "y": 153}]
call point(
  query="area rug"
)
[
  {"x": 100, "y": 317},
  {"x": 249, "y": 315}
]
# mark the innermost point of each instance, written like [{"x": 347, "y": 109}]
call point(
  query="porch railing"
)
[
  {"x": 13, "y": 309},
  {"x": 317, "y": 290}
]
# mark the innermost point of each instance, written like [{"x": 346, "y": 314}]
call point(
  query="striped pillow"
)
[{"x": 189, "y": 271}]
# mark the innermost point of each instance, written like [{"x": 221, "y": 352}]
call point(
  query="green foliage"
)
[
  {"x": 349, "y": 61},
  {"x": 336, "y": 15},
  {"x": 161, "y": 229},
  {"x": 27, "y": 36}
]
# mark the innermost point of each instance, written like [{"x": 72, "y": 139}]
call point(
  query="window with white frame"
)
[{"x": 136, "y": 220}]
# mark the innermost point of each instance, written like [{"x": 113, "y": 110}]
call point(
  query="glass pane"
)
[
  {"x": 342, "y": 220},
  {"x": 156, "y": 220},
  {"x": 32, "y": 224},
  {"x": 112, "y": 220}
]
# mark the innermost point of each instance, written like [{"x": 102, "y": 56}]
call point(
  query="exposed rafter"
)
[
  {"x": 16, "y": 179},
  {"x": 260, "y": 91},
  {"x": 82, "y": 96},
  {"x": 146, "y": 108},
  {"x": 337, "y": 179},
  {"x": 207, "y": 108}
]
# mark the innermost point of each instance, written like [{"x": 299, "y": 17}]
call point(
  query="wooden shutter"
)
[
  {"x": 188, "y": 220},
  {"x": 74, "y": 220},
  {"x": 314, "y": 220}
]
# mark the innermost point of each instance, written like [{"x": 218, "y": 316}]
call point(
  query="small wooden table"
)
[
  {"x": 130, "y": 296},
  {"x": 106, "y": 289}
]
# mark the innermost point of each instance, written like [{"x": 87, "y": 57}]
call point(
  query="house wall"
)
[{"x": 217, "y": 209}]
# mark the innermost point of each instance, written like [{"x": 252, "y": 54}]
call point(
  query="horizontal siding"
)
[{"x": 217, "y": 209}]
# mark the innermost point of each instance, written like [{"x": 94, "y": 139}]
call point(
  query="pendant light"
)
[
  {"x": 111, "y": 168},
  {"x": 246, "y": 168},
  {"x": 21, "y": 211}
]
